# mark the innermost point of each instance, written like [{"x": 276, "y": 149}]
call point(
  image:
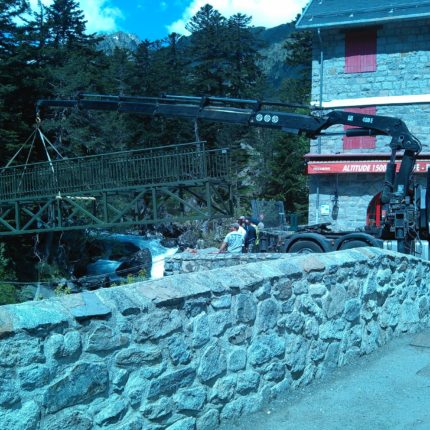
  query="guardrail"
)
[{"x": 114, "y": 171}]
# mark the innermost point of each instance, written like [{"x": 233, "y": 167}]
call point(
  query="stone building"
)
[{"x": 374, "y": 58}]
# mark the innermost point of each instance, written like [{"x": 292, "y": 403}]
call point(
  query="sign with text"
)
[{"x": 332, "y": 167}]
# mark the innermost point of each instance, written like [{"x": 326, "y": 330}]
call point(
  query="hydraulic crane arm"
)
[{"x": 265, "y": 114}]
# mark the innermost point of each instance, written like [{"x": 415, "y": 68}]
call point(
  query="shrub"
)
[{"x": 7, "y": 294}]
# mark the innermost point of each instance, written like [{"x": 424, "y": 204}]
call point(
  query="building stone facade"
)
[{"x": 402, "y": 69}]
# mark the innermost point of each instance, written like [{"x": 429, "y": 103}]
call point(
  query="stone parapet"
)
[
  {"x": 187, "y": 262},
  {"x": 187, "y": 352}
]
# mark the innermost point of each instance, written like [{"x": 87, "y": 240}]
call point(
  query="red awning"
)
[{"x": 327, "y": 164}]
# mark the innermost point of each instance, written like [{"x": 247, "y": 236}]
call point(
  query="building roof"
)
[{"x": 341, "y": 13}]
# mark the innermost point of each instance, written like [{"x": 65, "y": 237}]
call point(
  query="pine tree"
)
[
  {"x": 67, "y": 24},
  {"x": 208, "y": 51},
  {"x": 244, "y": 74},
  {"x": 14, "y": 67}
]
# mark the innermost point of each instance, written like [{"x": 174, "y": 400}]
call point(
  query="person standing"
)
[
  {"x": 251, "y": 236},
  {"x": 233, "y": 242},
  {"x": 261, "y": 221},
  {"x": 241, "y": 222}
]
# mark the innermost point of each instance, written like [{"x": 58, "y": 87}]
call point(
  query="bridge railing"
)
[{"x": 115, "y": 171}]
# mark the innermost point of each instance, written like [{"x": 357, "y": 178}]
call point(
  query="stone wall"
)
[
  {"x": 187, "y": 262},
  {"x": 190, "y": 351}
]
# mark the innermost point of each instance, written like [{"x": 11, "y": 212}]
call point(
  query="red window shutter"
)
[
  {"x": 359, "y": 142},
  {"x": 360, "y": 51}
]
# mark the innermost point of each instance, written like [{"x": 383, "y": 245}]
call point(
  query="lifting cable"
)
[{"x": 43, "y": 138}]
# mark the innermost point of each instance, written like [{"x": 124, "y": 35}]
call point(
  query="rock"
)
[
  {"x": 233, "y": 410},
  {"x": 318, "y": 350},
  {"x": 33, "y": 377},
  {"x": 185, "y": 424},
  {"x": 264, "y": 348},
  {"x": 136, "y": 389},
  {"x": 103, "y": 338},
  {"x": 297, "y": 348},
  {"x": 239, "y": 334},
  {"x": 267, "y": 315},
  {"x": 213, "y": 362},
  {"x": 294, "y": 322},
  {"x": 332, "y": 329},
  {"x": 245, "y": 308},
  {"x": 223, "y": 302},
  {"x": 274, "y": 372},
  {"x": 68, "y": 419},
  {"x": 178, "y": 350},
  {"x": 164, "y": 406},
  {"x": 237, "y": 360},
  {"x": 334, "y": 304},
  {"x": 72, "y": 343},
  {"x": 157, "y": 324},
  {"x": 115, "y": 408},
  {"x": 188, "y": 239},
  {"x": 82, "y": 382},
  {"x": 26, "y": 293},
  {"x": 118, "y": 378},
  {"x": 169, "y": 242},
  {"x": 90, "y": 307},
  {"x": 191, "y": 399},
  {"x": 283, "y": 290},
  {"x": 54, "y": 346},
  {"x": 137, "y": 356},
  {"x": 254, "y": 403},
  {"x": 201, "y": 334},
  {"x": 140, "y": 263},
  {"x": 170, "y": 382},
  {"x": 25, "y": 418},
  {"x": 247, "y": 381},
  {"x": 208, "y": 421},
  {"x": 332, "y": 355},
  {"x": 133, "y": 423},
  {"x": 224, "y": 389},
  {"x": 352, "y": 310},
  {"x": 219, "y": 322}
]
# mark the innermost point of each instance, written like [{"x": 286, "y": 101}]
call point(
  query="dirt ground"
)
[{"x": 388, "y": 390}]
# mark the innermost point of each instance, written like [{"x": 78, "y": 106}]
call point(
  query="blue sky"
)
[{"x": 152, "y": 20}]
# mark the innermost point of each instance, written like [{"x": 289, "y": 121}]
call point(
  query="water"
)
[
  {"x": 104, "y": 267},
  {"x": 109, "y": 267}
]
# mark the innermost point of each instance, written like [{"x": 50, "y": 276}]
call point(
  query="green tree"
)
[
  {"x": 8, "y": 293},
  {"x": 243, "y": 73},
  {"x": 11, "y": 65},
  {"x": 208, "y": 51},
  {"x": 285, "y": 167},
  {"x": 66, "y": 24}
]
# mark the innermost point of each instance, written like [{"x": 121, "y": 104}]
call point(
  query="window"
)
[
  {"x": 360, "y": 51},
  {"x": 359, "y": 142}
]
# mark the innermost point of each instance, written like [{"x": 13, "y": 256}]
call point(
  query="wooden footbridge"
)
[{"x": 148, "y": 186}]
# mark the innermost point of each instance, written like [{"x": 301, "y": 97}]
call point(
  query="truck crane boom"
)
[{"x": 257, "y": 113}]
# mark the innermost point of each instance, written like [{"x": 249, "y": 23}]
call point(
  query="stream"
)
[{"x": 111, "y": 268}]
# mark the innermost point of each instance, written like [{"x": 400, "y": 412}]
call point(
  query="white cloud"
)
[
  {"x": 265, "y": 13},
  {"x": 100, "y": 14}
]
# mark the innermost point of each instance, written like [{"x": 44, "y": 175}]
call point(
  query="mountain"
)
[
  {"x": 273, "y": 53},
  {"x": 118, "y": 40},
  {"x": 271, "y": 49}
]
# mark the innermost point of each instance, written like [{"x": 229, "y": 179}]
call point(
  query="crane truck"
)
[{"x": 406, "y": 224}]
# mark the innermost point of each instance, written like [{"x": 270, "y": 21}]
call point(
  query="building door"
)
[{"x": 375, "y": 212}]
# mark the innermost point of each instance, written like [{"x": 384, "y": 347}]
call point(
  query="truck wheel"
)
[
  {"x": 305, "y": 247},
  {"x": 349, "y": 244}
]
